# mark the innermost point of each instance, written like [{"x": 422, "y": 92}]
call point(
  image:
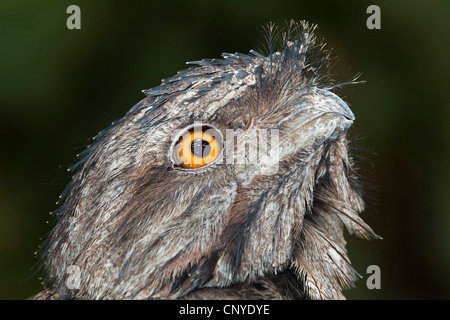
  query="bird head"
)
[{"x": 230, "y": 171}]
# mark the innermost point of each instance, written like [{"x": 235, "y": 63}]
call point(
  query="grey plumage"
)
[{"x": 138, "y": 227}]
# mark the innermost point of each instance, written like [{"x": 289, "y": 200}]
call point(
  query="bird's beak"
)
[
  {"x": 320, "y": 115},
  {"x": 329, "y": 102}
]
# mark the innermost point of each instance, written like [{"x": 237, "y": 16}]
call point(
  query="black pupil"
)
[{"x": 200, "y": 148}]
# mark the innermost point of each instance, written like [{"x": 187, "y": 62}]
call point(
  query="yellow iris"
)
[{"x": 196, "y": 149}]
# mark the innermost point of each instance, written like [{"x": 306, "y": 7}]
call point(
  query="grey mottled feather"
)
[{"x": 138, "y": 229}]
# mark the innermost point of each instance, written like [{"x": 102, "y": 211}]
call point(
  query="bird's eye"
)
[{"x": 197, "y": 146}]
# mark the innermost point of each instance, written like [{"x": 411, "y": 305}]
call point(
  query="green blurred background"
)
[{"x": 59, "y": 87}]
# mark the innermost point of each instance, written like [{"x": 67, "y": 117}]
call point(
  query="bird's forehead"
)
[{"x": 250, "y": 86}]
